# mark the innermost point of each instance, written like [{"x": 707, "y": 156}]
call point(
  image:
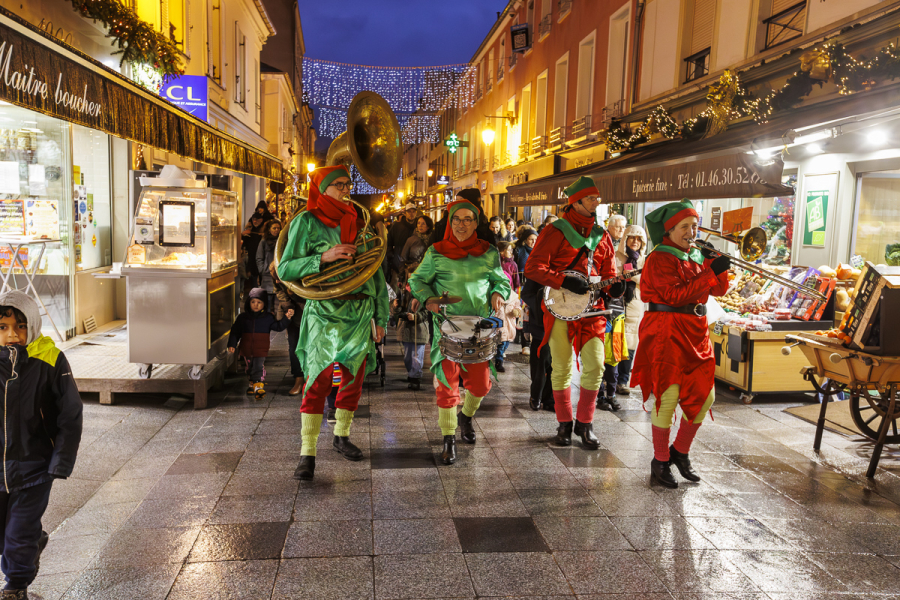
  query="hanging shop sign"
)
[
  {"x": 443, "y": 180},
  {"x": 521, "y": 37},
  {"x": 189, "y": 92},
  {"x": 816, "y": 216},
  {"x": 731, "y": 176},
  {"x": 38, "y": 73}
]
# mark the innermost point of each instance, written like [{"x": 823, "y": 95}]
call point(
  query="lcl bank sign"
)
[{"x": 188, "y": 92}]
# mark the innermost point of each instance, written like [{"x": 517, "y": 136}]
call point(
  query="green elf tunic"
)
[
  {"x": 473, "y": 278},
  {"x": 331, "y": 330}
]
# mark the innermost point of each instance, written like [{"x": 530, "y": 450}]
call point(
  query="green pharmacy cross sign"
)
[{"x": 452, "y": 143}]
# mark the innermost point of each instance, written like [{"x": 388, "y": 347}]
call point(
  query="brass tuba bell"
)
[{"x": 372, "y": 143}]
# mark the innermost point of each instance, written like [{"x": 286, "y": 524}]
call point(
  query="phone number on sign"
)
[{"x": 725, "y": 176}]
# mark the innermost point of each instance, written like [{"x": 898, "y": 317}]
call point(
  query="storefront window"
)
[
  {"x": 91, "y": 198},
  {"x": 35, "y": 201},
  {"x": 877, "y": 234}
]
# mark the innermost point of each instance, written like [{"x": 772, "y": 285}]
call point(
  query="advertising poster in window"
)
[
  {"x": 12, "y": 217},
  {"x": 42, "y": 219},
  {"x": 816, "y": 217}
]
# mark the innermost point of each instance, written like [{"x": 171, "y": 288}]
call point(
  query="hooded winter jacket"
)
[
  {"x": 42, "y": 409},
  {"x": 252, "y": 329}
]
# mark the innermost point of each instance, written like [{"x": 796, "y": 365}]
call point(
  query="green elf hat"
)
[
  {"x": 325, "y": 176},
  {"x": 666, "y": 217},
  {"x": 583, "y": 186}
]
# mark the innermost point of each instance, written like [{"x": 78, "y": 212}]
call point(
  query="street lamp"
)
[
  {"x": 400, "y": 195},
  {"x": 488, "y": 136},
  {"x": 310, "y": 167},
  {"x": 430, "y": 172}
]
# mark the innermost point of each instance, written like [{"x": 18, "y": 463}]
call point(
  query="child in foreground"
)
[
  {"x": 251, "y": 329},
  {"x": 42, "y": 430}
]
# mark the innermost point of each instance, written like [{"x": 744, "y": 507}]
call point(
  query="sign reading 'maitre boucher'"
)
[{"x": 738, "y": 175}]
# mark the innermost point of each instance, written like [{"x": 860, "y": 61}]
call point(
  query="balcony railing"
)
[
  {"x": 489, "y": 87},
  {"x": 500, "y": 71},
  {"x": 581, "y": 127},
  {"x": 786, "y": 25},
  {"x": 523, "y": 151},
  {"x": 615, "y": 110},
  {"x": 512, "y": 59},
  {"x": 697, "y": 65},
  {"x": 478, "y": 92},
  {"x": 545, "y": 25},
  {"x": 565, "y": 6},
  {"x": 538, "y": 144},
  {"x": 557, "y": 137},
  {"x": 496, "y": 163}
]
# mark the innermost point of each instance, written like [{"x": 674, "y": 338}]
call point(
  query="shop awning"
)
[
  {"x": 45, "y": 75},
  {"x": 711, "y": 168}
]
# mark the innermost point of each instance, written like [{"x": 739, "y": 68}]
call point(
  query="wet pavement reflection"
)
[{"x": 168, "y": 502}]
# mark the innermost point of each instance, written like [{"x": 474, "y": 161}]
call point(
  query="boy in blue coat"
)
[
  {"x": 41, "y": 430},
  {"x": 251, "y": 329}
]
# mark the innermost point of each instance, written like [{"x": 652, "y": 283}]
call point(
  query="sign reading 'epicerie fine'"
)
[{"x": 18, "y": 77}]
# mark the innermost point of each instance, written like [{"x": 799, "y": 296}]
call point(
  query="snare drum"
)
[{"x": 462, "y": 341}]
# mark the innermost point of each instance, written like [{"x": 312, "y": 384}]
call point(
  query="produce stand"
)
[
  {"x": 752, "y": 362},
  {"x": 872, "y": 381}
]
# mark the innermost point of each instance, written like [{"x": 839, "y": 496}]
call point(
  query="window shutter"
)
[
  {"x": 702, "y": 27},
  {"x": 780, "y": 5}
]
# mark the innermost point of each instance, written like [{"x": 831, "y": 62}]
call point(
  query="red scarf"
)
[
  {"x": 583, "y": 224},
  {"x": 454, "y": 249},
  {"x": 334, "y": 213}
]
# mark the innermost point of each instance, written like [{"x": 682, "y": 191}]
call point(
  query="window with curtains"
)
[{"x": 702, "y": 21}]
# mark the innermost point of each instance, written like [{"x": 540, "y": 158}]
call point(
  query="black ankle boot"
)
[
  {"x": 563, "y": 434},
  {"x": 466, "y": 431},
  {"x": 306, "y": 468},
  {"x": 603, "y": 403},
  {"x": 662, "y": 472},
  {"x": 613, "y": 403},
  {"x": 347, "y": 448},
  {"x": 586, "y": 431},
  {"x": 534, "y": 403},
  {"x": 683, "y": 463},
  {"x": 414, "y": 383},
  {"x": 448, "y": 455}
]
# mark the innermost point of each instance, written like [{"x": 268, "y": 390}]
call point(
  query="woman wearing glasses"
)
[
  {"x": 463, "y": 265},
  {"x": 336, "y": 330}
]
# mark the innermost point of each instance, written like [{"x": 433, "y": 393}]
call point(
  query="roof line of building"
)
[
  {"x": 265, "y": 16},
  {"x": 505, "y": 13}
]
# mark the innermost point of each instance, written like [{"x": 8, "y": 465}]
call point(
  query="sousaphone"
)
[{"x": 372, "y": 144}]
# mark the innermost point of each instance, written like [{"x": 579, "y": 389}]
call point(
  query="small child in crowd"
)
[
  {"x": 251, "y": 329},
  {"x": 412, "y": 330},
  {"x": 42, "y": 431},
  {"x": 511, "y": 310}
]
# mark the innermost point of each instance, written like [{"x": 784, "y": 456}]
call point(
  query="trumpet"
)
[{"x": 757, "y": 270}]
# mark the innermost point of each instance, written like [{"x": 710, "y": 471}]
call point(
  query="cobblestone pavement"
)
[{"x": 168, "y": 502}]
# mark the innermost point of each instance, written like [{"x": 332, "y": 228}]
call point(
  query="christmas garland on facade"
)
[
  {"x": 727, "y": 99},
  {"x": 139, "y": 43}
]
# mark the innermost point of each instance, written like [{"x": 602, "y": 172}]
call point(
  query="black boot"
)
[
  {"x": 662, "y": 472},
  {"x": 586, "y": 431},
  {"x": 603, "y": 402},
  {"x": 683, "y": 463},
  {"x": 563, "y": 434},
  {"x": 306, "y": 468},
  {"x": 466, "y": 431},
  {"x": 534, "y": 403},
  {"x": 448, "y": 454},
  {"x": 498, "y": 364},
  {"x": 415, "y": 383},
  {"x": 347, "y": 448}
]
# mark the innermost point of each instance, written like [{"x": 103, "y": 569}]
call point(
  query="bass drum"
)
[{"x": 463, "y": 341}]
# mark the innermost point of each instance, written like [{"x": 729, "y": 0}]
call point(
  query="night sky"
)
[{"x": 403, "y": 33}]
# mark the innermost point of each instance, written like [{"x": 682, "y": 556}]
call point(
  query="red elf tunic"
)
[
  {"x": 674, "y": 347},
  {"x": 555, "y": 250}
]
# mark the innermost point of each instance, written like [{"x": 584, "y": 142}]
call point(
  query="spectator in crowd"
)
[
  {"x": 265, "y": 256},
  {"x": 510, "y": 231},
  {"x": 262, "y": 209},
  {"x": 400, "y": 231},
  {"x": 412, "y": 330},
  {"x": 549, "y": 219},
  {"x": 498, "y": 229},
  {"x": 252, "y": 236},
  {"x": 510, "y": 311},
  {"x": 616, "y": 228},
  {"x": 630, "y": 256},
  {"x": 415, "y": 247},
  {"x": 526, "y": 237},
  {"x": 251, "y": 330}
]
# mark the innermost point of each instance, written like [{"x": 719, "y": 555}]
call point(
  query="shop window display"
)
[
  {"x": 35, "y": 202},
  {"x": 877, "y": 235}
]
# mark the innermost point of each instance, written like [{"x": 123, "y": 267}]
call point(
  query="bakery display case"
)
[{"x": 181, "y": 266}]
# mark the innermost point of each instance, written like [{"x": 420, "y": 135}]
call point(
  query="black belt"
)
[
  {"x": 351, "y": 297},
  {"x": 698, "y": 310}
]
